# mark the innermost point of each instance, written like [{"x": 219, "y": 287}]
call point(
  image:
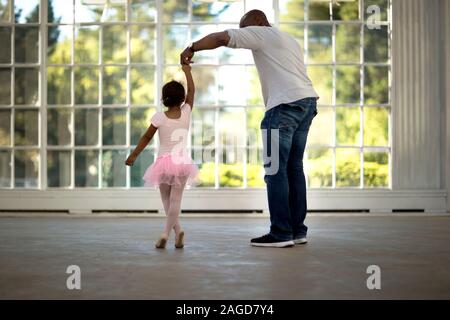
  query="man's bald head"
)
[{"x": 254, "y": 18}]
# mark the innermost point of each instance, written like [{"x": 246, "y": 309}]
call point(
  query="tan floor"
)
[{"x": 118, "y": 260}]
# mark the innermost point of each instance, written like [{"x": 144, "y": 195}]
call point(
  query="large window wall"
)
[{"x": 81, "y": 79}]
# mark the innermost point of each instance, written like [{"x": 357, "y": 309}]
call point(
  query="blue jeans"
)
[{"x": 286, "y": 186}]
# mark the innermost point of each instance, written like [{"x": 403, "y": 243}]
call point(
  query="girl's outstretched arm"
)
[
  {"x": 190, "y": 85},
  {"x": 143, "y": 142}
]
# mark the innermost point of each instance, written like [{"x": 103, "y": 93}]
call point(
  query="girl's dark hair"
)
[{"x": 173, "y": 94}]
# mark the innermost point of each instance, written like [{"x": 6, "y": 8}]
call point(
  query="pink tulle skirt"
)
[{"x": 171, "y": 170}]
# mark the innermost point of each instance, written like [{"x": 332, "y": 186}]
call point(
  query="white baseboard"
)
[{"x": 203, "y": 200}]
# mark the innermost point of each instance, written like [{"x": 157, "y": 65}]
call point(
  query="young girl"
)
[{"x": 173, "y": 168}]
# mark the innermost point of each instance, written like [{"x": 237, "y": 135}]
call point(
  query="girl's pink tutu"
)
[{"x": 171, "y": 170}]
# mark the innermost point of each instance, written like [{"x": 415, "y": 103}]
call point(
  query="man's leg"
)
[
  {"x": 296, "y": 176},
  {"x": 297, "y": 185},
  {"x": 278, "y": 137}
]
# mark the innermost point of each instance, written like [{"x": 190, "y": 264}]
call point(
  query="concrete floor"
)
[{"x": 118, "y": 260}]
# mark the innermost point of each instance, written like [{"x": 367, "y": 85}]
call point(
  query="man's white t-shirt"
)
[{"x": 279, "y": 61}]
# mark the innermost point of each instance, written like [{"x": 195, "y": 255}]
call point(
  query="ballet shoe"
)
[
  {"x": 179, "y": 240},
  {"x": 162, "y": 241}
]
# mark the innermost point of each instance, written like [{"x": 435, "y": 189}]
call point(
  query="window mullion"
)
[{"x": 43, "y": 95}]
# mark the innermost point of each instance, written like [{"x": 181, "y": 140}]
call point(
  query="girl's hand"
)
[
  {"x": 186, "y": 68},
  {"x": 130, "y": 160}
]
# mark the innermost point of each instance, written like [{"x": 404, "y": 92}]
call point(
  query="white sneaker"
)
[{"x": 300, "y": 240}]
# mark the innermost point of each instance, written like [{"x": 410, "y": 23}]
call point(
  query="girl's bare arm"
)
[
  {"x": 143, "y": 142},
  {"x": 190, "y": 85}
]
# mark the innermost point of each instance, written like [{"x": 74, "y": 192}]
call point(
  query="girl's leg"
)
[
  {"x": 164, "y": 190},
  {"x": 176, "y": 194}
]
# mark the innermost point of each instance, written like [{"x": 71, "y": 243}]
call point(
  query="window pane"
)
[
  {"x": 319, "y": 10},
  {"x": 319, "y": 44},
  {"x": 254, "y": 118},
  {"x": 141, "y": 164},
  {"x": 322, "y": 78},
  {"x": 231, "y": 139},
  {"x": 254, "y": 94},
  {"x": 26, "y": 86},
  {"x": 369, "y": 9},
  {"x": 5, "y": 40},
  {"x": 87, "y": 44},
  {"x": 376, "y": 85},
  {"x": 114, "y": 11},
  {"x": 346, "y": 10},
  {"x": 205, "y": 84},
  {"x": 376, "y": 44},
  {"x": 86, "y": 127},
  {"x": 175, "y": 73},
  {"x": 255, "y": 168},
  {"x": 58, "y": 168},
  {"x": 140, "y": 120},
  {"x": 347, "y": 126},
  {"x": 348, "y": 43},
  {"x": 232, "y": 89},
  {"x": 205, "y": 161},
  {"x": 143, "y": 85},
  {"x": 376, "y": 169},
  {"x": 58, "y": 85},
  {"x": 205, "y": 56},
  {"x": 86, "y": 168},
  {"x": 232, "y": 127},
  {"x": 292, "y": 10},
  {"x": 59, "y": 44},
  {"x": 59, "y": 127},
  {"x": 5, "y": 6},
  {"x": 319, "y": 168},
  {"x": 26, "y": 125},
  {"x": 376, "y": 126},
  {"x": 231, "y": 171},
  {"x": 26, "y": 168},
  {"x": 143, "y": 44},
  {"x": 86, "y": 85},
  {"x": 114, "y": 85},
  {"x": 114, "y": 44},
  {"x": 114, "y": 126},
  {"x": 5, "y": 88},
  {"x": 114, "y": 169},
  {"x": 217, "y": 11},
  {"x": 88, "y": 11},
  {"x": 5, "y": 169},
  {"x": 175, "y": 39},
  {"x": 143, "y": 10},
  {"x": 175, "y": 11},
  {"x": 203, "y": 128},
  {"x": 5, "y": 127},
  {"x": 26, "y": 45},
  {"x": 347, "y": 168},
  {"x": 60, "y": 11},
  {"x": 26, "y": 11},
  {"x": 321, "y": 131},
  {"x": 348, "y": 84}
]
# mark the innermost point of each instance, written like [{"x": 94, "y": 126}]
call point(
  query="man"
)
[{"x": 290, "y": 101}]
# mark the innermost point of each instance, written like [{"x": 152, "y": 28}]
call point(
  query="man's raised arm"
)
[{"x": 211, "y": 41}]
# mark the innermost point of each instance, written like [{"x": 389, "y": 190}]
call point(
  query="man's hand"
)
[
  {"x": 130, "y": 160},
  {"x": 186, "y": 56}
]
